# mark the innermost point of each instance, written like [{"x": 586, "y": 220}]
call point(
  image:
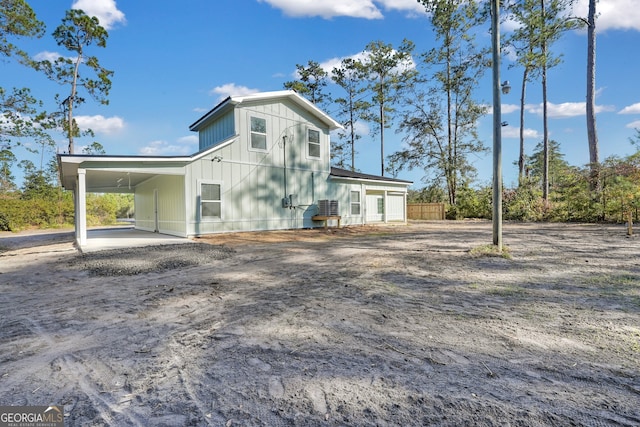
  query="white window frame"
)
[
  {"x": 381, "y": 205},
  {"x": 357, "y": 203},
  {"x": 308, "y": 142},
  {"x": 251, "y": 116},
  {"x": 202, "y": 182}
]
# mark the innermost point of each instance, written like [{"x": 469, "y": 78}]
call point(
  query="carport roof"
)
[
  {"x": 116, "y": 174},
  {"x": 121, "y": 174}
]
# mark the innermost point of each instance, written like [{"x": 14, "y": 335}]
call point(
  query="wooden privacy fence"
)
[{"x": 432, "y": 211}]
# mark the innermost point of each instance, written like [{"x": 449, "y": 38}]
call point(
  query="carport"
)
[{"x": 84, "y": 174}]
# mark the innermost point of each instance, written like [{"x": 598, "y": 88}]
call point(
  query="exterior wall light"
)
[{"x": 506, "y": 87}]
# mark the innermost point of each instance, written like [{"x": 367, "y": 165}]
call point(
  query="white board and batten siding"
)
[
  {"x": 386, "y": 206},
  {"x": 160, "y": 205},
  {"x": 241, "y": 187},
  {"x": 253, "y": 181},
  {"x": 375, "y": 202}
]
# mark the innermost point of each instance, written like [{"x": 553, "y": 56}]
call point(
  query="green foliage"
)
[
  {"x": 472, "y": 203},
  {"x": 313, "y": 80},
  {"x": 105, "y": 209},
  {"x": 55, "y": 208},
  {"x": 523, "y": 203},
  {"x": 440, "y": 122},
  {"x": 389, "y": 72},
  {"x": 20, "y": 213},
  {"x": 17, "y": 19},
  {"x": 22, "y": 119},
  {"x": 7, "y": 160},
  {"x": 349, "y": 75},
  {"x": 433, "y": 193},
  {"x": 94, "y": 148},
  {"x": 77, "y": 32},
  {"x": 571, "y": 197}
]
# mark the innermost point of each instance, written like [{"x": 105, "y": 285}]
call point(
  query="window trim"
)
[
  {"x": 356, "y": 203},
  {"x": 252, "y": 115},
  {"x": 308, "y": 143},
  {"x": 202, "y": 218},
  {"x": 381, "y": 205}
]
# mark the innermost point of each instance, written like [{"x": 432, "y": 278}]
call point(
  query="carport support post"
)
[{"x": 81, "y": 208}]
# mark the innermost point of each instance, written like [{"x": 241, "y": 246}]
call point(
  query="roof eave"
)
[{"x": 289, "y": 94}]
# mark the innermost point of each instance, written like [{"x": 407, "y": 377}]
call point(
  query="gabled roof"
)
[
  {"x": 267, "y": 96},
  {"x": 344, "y": 173}
]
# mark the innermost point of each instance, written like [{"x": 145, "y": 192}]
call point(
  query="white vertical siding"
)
[
  {"x": 396, "y": 207},
  {"x": 171, "y": 205},
  {"x": 373, "y": 202},
  {"x": 219, "y": 130},
  {"x": 253, "y": 181}
]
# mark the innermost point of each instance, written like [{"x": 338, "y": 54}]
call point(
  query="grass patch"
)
[
  {"x": 507, "y": 291},
  {"x": 491, "y": 251}
]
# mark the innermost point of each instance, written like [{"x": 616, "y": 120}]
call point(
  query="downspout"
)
[{"x": 284, "y": 151}]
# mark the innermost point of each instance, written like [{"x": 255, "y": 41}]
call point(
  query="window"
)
[
  {"x": 258, "y": 133},
  {"x": 210, "y": 201},
  {"x": 313, "y": 141},
  {"x": 355, "y": 203},
  {"x": 380, "y": 206}
]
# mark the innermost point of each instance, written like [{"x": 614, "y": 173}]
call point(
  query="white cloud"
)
[
  {"x": 47, "y": 56},
  {"x": 367, "y": 9},
  {"x": 412, "y": 6},
  {"x": 105, "y": 10},
  {"x": 509, "y": 108},
  {"x": 504, "y": 108},
  {"x": 327, "y": 8},
  {"x": 613, "y": 14},
  {"x": 634, "y": 125},
  {"x": 510, "y": 52},
  {"x": 231, "y": 89},
  {"x": 189, "y": 140},
  {"x": 514, "y": 132},
  {"x": 100, "y": 124},
  {"x": 631, "y": 109},
  {"x": 335, "y": 62},
  {"x": 565, "y": 110},
  {"x": 332, "y": 63},
  {"x": 163, "y": 148}
]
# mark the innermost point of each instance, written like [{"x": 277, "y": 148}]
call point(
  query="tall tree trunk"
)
[
  {"x": 451, "y": 160},
  {"x": 353, "y": 133},
  {"x": 72, "y": 98},
  {"x": 545, "y": 173},
  {"x": 382, "y": 135},
  {"x": 521, "y": 159},
  {"x": 594, "y": 161}
]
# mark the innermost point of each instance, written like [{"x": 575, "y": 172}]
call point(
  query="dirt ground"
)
[{"x": 372, "y": 326}]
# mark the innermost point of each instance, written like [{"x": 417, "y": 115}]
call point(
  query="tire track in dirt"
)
[{"x": 110, "y": 396}]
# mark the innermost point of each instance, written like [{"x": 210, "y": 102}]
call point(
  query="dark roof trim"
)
[
  {"x": 210, "y": 113},
  {"x": 344, "y": 173}
]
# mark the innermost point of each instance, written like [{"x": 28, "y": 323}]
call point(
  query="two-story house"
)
[{"x": 263, "y": 164}]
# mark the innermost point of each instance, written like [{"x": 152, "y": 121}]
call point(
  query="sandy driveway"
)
[{"x": 364, "y": 327}]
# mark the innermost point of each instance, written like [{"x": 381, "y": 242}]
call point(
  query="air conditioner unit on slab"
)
[{"x": 328, "y": 208}]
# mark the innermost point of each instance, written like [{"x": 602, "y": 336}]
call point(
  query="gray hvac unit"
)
[{"x": 328, "y": 208}]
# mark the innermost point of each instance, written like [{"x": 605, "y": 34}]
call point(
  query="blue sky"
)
[{"x": 173, "y": 61}]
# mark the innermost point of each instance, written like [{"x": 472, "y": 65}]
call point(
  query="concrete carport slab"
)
[{"x": 126, "y": 237}]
